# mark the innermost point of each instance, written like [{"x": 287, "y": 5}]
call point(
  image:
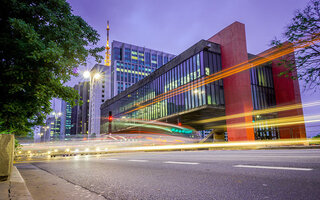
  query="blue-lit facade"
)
[
  {"x": 132, "y": 63},
  {"x": 66, "y": 110},
  {"x": 68, "y": 119}
]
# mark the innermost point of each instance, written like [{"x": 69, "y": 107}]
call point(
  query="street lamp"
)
[
  {"x": 97, "y": 76},
  {"x": 86, "y": 74}
]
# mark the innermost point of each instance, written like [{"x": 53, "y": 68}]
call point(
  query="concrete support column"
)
[{"x": 237, "y": 88}]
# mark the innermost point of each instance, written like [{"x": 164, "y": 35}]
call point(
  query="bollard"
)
[{"x": 6, "y": 155}]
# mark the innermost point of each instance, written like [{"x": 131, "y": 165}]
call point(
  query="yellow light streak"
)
[
  {"x": 282, "y": 121},
  {"x": 248, "y": 144},
  {"x": 261, "y": 112}
]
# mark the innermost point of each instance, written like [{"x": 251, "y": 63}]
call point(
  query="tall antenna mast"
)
[{"x": 107, "y": 61}]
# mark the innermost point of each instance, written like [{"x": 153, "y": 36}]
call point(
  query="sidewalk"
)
[
  {"x": 44, "y": 185},
  {"x": 15, "y": 188}
]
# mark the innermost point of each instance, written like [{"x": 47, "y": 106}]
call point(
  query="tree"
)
[
  {"x": 41, "y": 43},
  {"x": 304, "y": 29}
]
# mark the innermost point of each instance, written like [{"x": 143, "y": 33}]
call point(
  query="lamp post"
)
[{"x": 92, "y": 77}]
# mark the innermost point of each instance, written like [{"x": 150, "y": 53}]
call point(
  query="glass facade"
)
[
  {"x": 138, "y": 62},
  {"x": 263, "y": 97},
  {"x": 154, "y": 93},
  {"x": 55, "y": 128},
  {"x": 68, "y": 119},
  {"x": 117, "y": 53}
]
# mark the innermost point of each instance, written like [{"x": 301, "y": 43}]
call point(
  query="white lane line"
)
[
  {"x": 138, "y": 160},
  {"x": 181, "y": 163},
  {"x": 271, "y": 167},
  {"x": 112, "y": 159}
]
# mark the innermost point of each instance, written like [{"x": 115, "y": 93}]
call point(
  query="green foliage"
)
[
  {"x": 16, "y": 142},
  {"x": 41, "y": 43},
  {"x": 317, "y": 136},
  {"x": 17, "y": 145},
  {"x": 304, "y": 29}
]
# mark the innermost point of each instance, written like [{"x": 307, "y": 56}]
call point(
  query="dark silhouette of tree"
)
[
  {"x": 304, "y": 29},
  {"x": 41, "y": 43}
]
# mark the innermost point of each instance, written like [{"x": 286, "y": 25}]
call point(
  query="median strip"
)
[
  {"x": 271, "y": 167},
  {"x": 181, "y": 163}
]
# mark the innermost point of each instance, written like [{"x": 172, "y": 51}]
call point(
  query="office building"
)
[
  {"x": 80, "y": 113},
  {"x": 100, "y": 76},
  {"x": 129, "y": 64},
  {"x": 212, "y": 79},
  {"x": 66, "y": 111},
  {"x": 54, "y": 127}
]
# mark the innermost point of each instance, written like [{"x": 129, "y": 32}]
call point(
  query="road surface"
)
[{"x": 247, "y": 174}]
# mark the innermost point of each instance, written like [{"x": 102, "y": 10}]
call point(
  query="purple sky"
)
[{"x": 174, "y": 25}]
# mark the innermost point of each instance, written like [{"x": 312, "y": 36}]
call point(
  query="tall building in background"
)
[
  {"x": 131, "y": 63},
  {"x": 48, "y": 133},
  {"x": 55, "y": 127},
  {"x": 66, "y": 111},
  {"x": 100, "y": 76},
  {"x": 80, "y": 113}
]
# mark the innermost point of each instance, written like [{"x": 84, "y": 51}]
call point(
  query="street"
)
[{"x": 245, "y": 174}]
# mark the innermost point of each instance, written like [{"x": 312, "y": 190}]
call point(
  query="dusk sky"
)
[{"x": 174, "y": 25}]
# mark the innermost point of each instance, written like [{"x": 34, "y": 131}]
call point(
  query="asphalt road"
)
[{"x": 251, "y": 174}]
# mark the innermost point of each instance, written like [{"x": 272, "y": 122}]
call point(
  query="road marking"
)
[
  {"x": 138, "y": 160},
  {"x": 112, "y": 159},
  {"x": 181, "y": 163},
  {"x": 271, "y": 167}
]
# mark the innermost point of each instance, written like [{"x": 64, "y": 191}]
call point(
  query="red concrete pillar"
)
[
  {"x": 237, "y": 88},
  {"x": 287, "y": 92}
]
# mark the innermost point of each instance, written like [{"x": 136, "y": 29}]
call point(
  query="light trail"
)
[
  {"x": 261, "y": 112},
  {"x": 35, "y": 154},
  {"x": 259, "y": 60},
  {"x": 282, "y": 121}
]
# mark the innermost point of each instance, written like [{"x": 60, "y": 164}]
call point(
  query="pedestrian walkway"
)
[
  {"x": 15, "y": 188},
  {"x": 44, "y": 185}
]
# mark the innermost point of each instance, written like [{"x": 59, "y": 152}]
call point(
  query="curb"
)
[{"x": 17, "y": 187}]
